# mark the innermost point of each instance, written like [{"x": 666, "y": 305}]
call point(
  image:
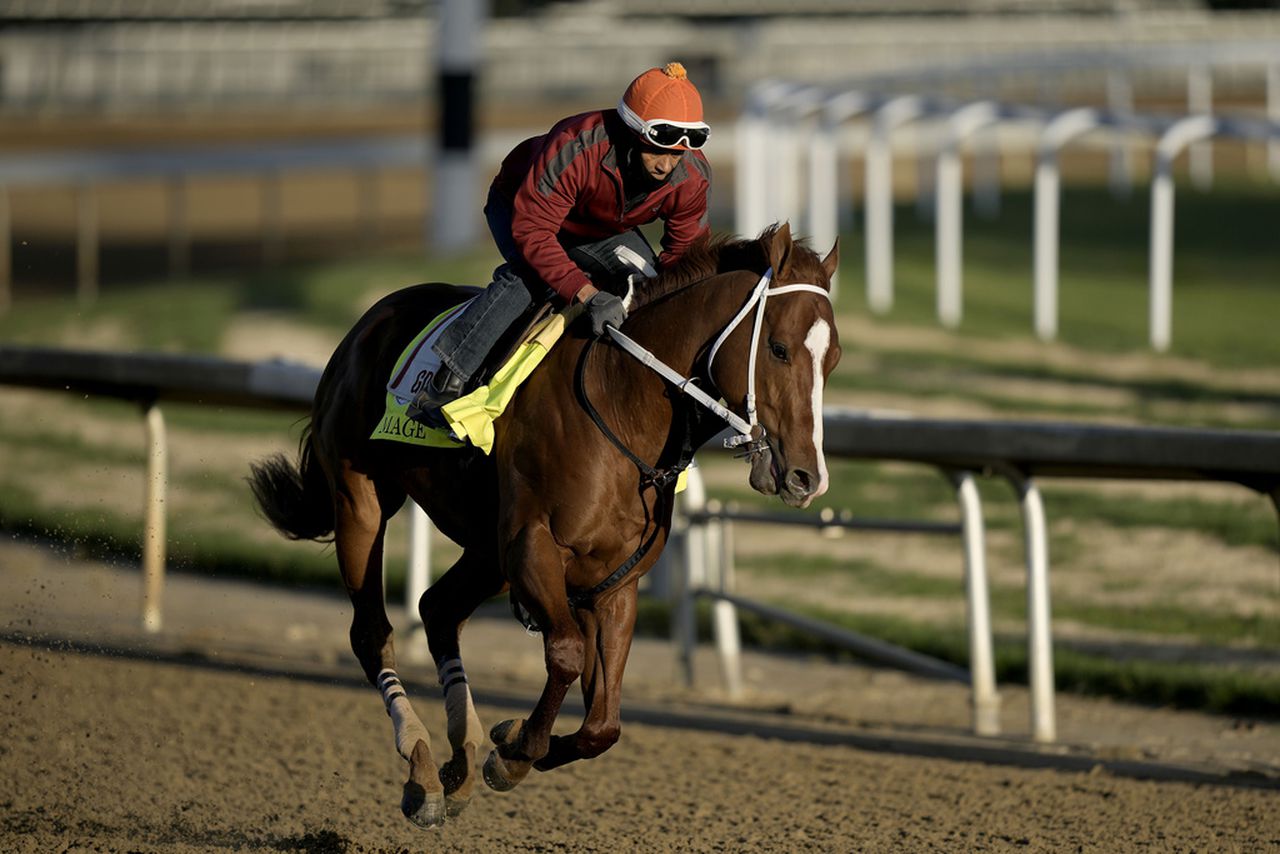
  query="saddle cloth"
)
[{"x": 470, "y": 417}]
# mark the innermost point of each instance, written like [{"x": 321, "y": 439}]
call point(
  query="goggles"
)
[{"x": 664, "y": 133}]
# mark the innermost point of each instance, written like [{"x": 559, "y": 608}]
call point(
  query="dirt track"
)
[{"x": 244, "y": 727}]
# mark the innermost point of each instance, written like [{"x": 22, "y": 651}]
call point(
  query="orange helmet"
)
[{"x": 665, "y": 109}]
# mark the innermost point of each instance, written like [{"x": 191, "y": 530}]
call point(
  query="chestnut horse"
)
[{"x": 579, "y": 484}]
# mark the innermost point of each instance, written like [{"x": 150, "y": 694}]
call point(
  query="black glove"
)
[{"x": 604, "y": 308}]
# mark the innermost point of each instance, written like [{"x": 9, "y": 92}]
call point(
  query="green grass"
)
[{"x": 1226, "y": 273}]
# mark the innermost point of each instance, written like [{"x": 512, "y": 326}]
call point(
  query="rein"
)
[{"x": 750, "y": 432}]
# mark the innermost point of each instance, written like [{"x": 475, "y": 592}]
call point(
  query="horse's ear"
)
[
  {"x": 780, "y": 249},
  {"x": 832, "y": 262}
]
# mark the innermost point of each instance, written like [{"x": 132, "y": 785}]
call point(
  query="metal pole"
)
[
  {"x": 878, "y": 193},
  {"x": 693, "y": 576},
  {"x": 418, "y": 574},
  {"x": 153, "y": 535},
  {"x": 982, "y": 679},
  {"x": 825, "y": 195},
  {"x": 459, "y": 49},
  {"x": 86, "y": 244},
  {"x": 780, "y": 177},
  {"x": 1055, "y": 135},
  {"x": 1200, "y": 103},
  {"x": 179, "y": 230},
  {"x": 1177, "y": 137},
  {"x": 749, "y": 171},
  {"x": 947, "y": 237},
  {"x": 949, "y": 226},
  {"x": 725, "y": 616},
  {"x": 1039, "y": 631},
  {"x": 824, "y": 188}
]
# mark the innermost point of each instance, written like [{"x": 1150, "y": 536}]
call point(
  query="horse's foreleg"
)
[
  {"x": 537, "y": 572},
  {"x": 609, "y": 628},
  {"x": 444, "y": 608},
  {"x": 358, "y": 534}
]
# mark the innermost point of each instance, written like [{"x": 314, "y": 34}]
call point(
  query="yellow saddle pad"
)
[{"x": 471, "y": 416}]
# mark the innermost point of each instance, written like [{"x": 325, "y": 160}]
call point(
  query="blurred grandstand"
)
[{"x": 138, "y": 56}]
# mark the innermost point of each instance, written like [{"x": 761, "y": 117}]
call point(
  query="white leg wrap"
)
[
  {"x": 409, "y": 729},
  {"x": 464, "y": 724}
]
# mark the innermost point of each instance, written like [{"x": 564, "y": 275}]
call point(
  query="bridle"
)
[{"x": 750, "y": 432}]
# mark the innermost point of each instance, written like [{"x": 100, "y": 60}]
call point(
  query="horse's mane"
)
[{"x": 712, "y": 256}]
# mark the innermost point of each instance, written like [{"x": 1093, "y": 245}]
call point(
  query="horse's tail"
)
[{"x": 295, "y": 499}]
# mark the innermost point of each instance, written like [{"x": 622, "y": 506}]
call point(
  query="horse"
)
[{"x": 574, "y": 504}]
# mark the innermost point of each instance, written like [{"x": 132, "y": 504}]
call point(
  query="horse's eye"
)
[{"x": 779, "y": 350}]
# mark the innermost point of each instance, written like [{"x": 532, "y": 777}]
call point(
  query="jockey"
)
[{"x": 561, "y": 204}]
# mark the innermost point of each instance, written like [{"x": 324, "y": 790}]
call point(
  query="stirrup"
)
[{"x": 445, "y": 387}]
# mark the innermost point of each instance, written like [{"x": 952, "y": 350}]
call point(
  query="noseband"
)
[{"x": 750, "y": 432}]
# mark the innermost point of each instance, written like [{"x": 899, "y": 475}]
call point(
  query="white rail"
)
[{"x": 771, "y": 116}]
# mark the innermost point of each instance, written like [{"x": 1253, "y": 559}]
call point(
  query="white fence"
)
[
  {"x": 787, "y": 124},
  {"x": 1019, "y": 452}
]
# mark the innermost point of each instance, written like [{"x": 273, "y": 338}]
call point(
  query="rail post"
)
[
  {"x": 724, "y": 614},
  {"x": 1179, "y": 135},
  {"x": 877, "y": 191},
  {"x": 693, "y": 574},
  {"x": 949, "y": 225},
  {"x": 1200, "y": 103},
  {"x": 1039, "y": 630},
  {"x": 824, "y": 171},
  {"x": 985, "y": 701},
  {"x": 153, "y": 534},
  {"x": 751, "y": 200},
  {"x": 1058, "y": 132}
]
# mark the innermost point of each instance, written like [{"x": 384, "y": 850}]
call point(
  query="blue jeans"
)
[{"x": 515, "y": 289}]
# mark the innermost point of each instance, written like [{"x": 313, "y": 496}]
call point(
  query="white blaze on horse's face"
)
[{"x": 817, "y": 342}]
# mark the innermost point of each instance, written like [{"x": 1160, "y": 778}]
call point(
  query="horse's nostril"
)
[{"x": 800, "y": 481}]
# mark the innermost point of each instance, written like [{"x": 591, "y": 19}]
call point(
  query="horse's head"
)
[{"x": 797, "y": 350}]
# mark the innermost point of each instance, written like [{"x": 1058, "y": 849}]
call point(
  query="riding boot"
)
[{"x": 443, "y": 387}]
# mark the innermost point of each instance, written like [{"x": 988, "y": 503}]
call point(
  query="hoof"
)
[
  {"x": 458, "y": 776},
  {"x": 423, "y": 808},
  {"x": 423, "y": 799},
  {"x": 498, "y": 776},
  {"x": 506, "y": 732}
]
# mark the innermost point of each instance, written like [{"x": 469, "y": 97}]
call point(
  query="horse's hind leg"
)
[
  {"x": 444, "y": 608},
  {"x": 360, "y": 524}
]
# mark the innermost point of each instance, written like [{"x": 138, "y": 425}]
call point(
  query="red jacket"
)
[{"x": 568, "y": 180}]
